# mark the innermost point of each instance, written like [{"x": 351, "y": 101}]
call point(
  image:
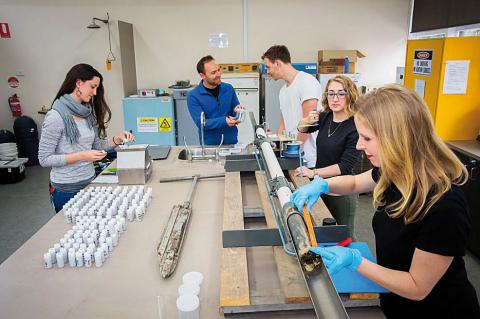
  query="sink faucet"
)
[{"x": 202, "y": 131}]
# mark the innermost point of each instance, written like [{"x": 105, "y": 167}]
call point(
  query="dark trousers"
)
[
  {"x": 59, "y": 198},
  {"x": 343, "y": 210}
]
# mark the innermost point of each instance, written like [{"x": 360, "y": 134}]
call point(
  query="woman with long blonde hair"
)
[{"x": 421, "y": 222}]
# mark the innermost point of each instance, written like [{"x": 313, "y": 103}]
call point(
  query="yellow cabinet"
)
[{"x": 456, "y": 116}]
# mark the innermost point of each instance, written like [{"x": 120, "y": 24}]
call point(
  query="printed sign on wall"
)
[
  {"x": 422, "y": 62},
  {"x": 13, "y": 82},
  {"x": 165, "y": 124},
  {"x": 4, "y": 30},
  {"x": 147, "y": 124}
]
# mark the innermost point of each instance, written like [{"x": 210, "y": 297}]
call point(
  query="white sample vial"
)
[
  {"x": 119, "y": 227},
  {"x": 63, "y": 251},
  {"x": 188, "y": 306},
  {"x": 87, "y": 259},
  {"x": 189, "y": 289},
  {"x": 47, "y": 261},
  {"x": 139, "y": 213},
  {"x": 52, "y": 253},
  {"x": 193, "y": 277},
  {"x": 68, "y": 216},
  {"x": 99, "y": 258},
  {"x": 79, "y": 258},
  {"x": 110, "y": 243},
  {"x": 105, "y": 251},
  {"x": 130, "y": 214},
  {"x": 57, "y": 247},
  {"x": 71, "y": 258},
  {"x": 114, "y": 239},
  {"x": 60, "y": 262}
]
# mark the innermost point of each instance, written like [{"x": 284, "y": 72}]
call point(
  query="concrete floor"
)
[{"x": 25, "y": 208}]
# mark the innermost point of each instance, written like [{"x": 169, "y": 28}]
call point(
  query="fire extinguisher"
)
[{"x": 15, "y": 106}]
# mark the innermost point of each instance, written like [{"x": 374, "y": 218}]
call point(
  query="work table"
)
[
  {"x": 129, "y": 284},
  {"x": 470, "y": 147}
]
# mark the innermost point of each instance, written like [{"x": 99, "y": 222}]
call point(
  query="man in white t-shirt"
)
[{"x": 301, "y": 94}]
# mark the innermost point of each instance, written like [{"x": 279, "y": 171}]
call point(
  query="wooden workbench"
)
[{"x": 129, "y": 284}]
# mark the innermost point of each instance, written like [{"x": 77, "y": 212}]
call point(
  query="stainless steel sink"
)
[{"x": 195, "y": 153}]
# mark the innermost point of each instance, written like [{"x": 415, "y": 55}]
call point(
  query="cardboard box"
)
[
  {"x": 327, "y": 55},
  {"x": 333, "y": 61},
  {"x": 335, "y": 69}
]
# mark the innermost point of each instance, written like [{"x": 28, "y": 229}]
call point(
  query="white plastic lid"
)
[
  {"x": 193, "y": 277},
  {"x": 188, "y": 288},
  {"x": 187, "y": 302}
]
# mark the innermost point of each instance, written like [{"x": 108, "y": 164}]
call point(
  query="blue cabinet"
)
[{"x": 151, "y": 120}]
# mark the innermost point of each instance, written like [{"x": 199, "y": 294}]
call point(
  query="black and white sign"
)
[{"x": 422, "y": 62}]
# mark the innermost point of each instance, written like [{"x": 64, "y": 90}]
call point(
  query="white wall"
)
[{"x": 48, "y": 37}]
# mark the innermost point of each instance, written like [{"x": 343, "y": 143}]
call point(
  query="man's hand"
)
[
  {"x": 239, "y": 108},
  {"x": 231, "y": 121}
]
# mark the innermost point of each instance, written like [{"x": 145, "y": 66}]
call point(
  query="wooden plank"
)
[
  {"x": 363, "y": 296},
  {"x": 319, "y": 210},
  {"x": 291, "y": 280},
  {"x": 234, "y": 288}
]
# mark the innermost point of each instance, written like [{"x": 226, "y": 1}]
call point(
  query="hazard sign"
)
[{"x": 165, "y": 124}]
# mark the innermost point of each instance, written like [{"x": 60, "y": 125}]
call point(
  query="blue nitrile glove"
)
[
  {"x": 309, "y": 193},
  {"x": 336, "y": 258}
]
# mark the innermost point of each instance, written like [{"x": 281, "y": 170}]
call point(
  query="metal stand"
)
[
  {"x": 294, "y": 237},
  {"x": 170, "y": 246}
]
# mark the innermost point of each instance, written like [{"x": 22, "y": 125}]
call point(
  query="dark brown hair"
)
[
  {"x": 277, "y": 52},
  {"x": 86, "y": 72},
  {"x": 201, "y": 63}
]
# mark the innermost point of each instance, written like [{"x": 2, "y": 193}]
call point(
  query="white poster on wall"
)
[
  {"x": 420, "y": 88},
  {"x": 456, "y": 77},
  {"x": 218, "y": 40}
]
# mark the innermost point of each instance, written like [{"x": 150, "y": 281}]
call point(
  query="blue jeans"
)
[{"x": 59, "y": 198}]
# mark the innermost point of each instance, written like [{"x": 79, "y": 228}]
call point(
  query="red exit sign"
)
[{"x": 4, "y": 30}]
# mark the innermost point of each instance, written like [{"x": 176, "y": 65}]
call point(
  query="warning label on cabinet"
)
[
  {"x": 422, "y": 62},
  {"x": 165, "y": 124},
  {"x": 147, "y": 124}
]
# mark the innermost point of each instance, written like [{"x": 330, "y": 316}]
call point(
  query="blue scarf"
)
[{"x": 67, "y": 108}]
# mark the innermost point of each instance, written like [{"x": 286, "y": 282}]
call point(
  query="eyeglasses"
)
[{"x": 340, "y": 94}]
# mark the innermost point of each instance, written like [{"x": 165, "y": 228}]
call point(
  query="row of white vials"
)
[
  {"x": 107, "y": 202},
  {"x": 97, "y": 226}
]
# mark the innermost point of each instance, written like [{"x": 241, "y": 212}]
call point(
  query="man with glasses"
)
[
  {"x": 218, "y": 101},
  {"x": 298, "y": 97}
]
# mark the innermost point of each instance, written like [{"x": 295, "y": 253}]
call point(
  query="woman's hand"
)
[
  {"x": 311, "y": 120},
  {"x": 93, "y": 155},
  {"x": 123, "y": 137},
  {"x": 313, "y": 116},
  {"x": 310, "y": 173},
  {"x": 309, "y": 193}
]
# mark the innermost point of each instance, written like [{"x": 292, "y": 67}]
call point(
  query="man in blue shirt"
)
[{"x": 219, "y": 102}]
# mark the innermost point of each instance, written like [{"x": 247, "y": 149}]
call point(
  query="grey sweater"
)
[{"x": 54, "y": 146}]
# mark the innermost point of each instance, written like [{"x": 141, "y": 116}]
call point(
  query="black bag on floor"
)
[
  {"x": 6, "y": 137},
  {"x": 26, "y": 133}
]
